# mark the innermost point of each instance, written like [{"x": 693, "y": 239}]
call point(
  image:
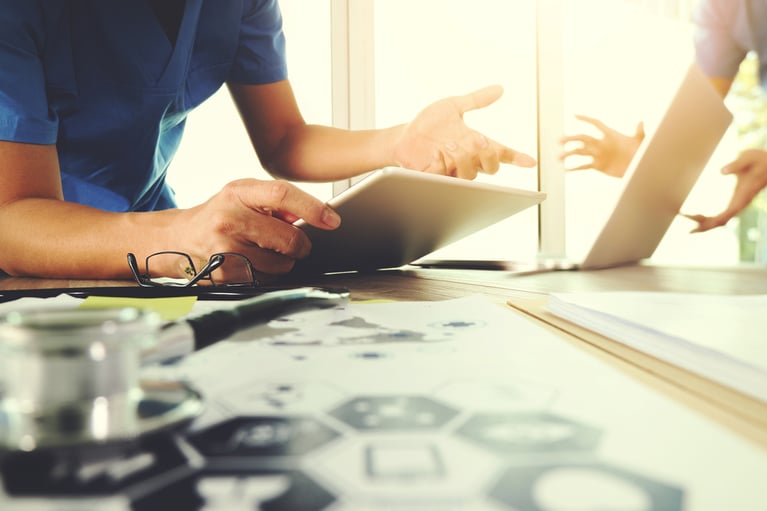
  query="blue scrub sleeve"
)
[
  {"x": 24, "y": 113},
  {"x": 260, "y": 56},
  {"x": 716, "y": 51}
]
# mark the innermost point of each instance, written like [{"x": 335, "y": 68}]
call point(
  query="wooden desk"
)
[
  {"x": 744, "y": 416},
  {"x": 413, "y": 283},
  {"x": 527, "y": 293}
]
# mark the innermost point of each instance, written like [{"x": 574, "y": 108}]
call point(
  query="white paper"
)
[
  {"x": 720, "y": 337},
  {"x": 465, "y": 404}
]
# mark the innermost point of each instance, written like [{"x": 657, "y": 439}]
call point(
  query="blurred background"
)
[{"x": 617, "y": 60}]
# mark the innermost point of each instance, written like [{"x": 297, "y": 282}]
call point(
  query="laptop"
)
[
  {"x": 395, "y": 216},
  {"x": 656, "y": 184}
]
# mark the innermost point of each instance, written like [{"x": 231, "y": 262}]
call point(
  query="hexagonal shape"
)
[
  {"x": 529, "y": 433},
  {"x": 415, "y": 470},
  {"x": 257, "y": 438},
  {"x": 587, "y": 485},
  {"x": 232, "y": 489},
  {"x": 508, "y": 396},
  {"x": 394, "y": 413},
  {"x": 275, "y": 397}
]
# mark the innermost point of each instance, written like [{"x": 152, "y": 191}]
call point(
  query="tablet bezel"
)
[{"x": 395, "y": 216}]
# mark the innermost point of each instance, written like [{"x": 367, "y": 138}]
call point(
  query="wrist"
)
[{"x": 391, "y": 143}]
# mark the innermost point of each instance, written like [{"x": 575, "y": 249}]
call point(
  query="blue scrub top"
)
[
  {"x": 726, "y": 31},
  {"x": 101, "y": 80}
]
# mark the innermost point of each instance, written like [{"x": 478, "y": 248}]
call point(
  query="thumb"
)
[
  {"x": 734, "y": 167},
  {"x": 639, "y": 133},
  {"x": 479, "y": 98}
]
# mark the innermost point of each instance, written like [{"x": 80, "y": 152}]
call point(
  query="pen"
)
[{"x": 182, "y": 337}]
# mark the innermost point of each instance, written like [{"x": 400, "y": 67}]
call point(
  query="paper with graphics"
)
[{"x": 453, "y": 405}]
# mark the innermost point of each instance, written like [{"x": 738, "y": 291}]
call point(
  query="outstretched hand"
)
[
  {"x": 610, "y": 154},
  {"x": 439, "y": 141},
  {"x": 750, "y": 170}
]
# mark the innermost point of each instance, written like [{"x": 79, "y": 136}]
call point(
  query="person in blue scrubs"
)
[
  {"x": 94, "y": 96},
  {"x": 726, "y": 31}
]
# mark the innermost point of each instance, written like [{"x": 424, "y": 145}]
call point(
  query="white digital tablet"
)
[{"x": 394, "y": 216}]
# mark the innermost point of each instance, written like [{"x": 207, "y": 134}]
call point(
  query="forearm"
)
[
  {"x": 320, "y": 153},
  {"x": 56, "y": 239}
]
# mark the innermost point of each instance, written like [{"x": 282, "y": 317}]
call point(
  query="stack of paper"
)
[{"x": 720, "y": 337}]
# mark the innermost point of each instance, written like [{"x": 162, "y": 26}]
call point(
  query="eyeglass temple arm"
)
[{"x": 215, "y": 262}]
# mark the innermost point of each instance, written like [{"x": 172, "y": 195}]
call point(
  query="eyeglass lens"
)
[
  {"x": 172, "y": 267},
  {"x": 235, "y": 270}
]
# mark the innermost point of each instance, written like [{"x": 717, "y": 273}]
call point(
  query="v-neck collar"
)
[
  {"x": 169, "y": 13},
  {"x": 139, "y": 37},
  {"x": 181, "y": 52}
]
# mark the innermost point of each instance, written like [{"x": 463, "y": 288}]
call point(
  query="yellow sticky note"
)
[{"x": 169, "y": 308}]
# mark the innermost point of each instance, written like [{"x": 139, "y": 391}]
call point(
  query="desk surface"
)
[
  {"x": 743, "y": 419},
  {"x": 527, "y": 291},
  {"x": 413, "y": 283}
]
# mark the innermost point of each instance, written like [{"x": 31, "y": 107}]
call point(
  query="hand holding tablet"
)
[{"x": 395, "y": 216}]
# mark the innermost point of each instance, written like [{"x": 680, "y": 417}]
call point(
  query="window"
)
[
  {"x": 616, "y": 60},
  {"x": 622, "y": 62},
  {"x": 429, "y": 49},
  {"x": 216, "y": 149}
]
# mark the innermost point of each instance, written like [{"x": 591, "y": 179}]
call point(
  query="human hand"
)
[
  {"x": 438, "y": 141},
  {"x": 253, "y": 218},
  {"x": 750, "y": 170},
  {"x": 610, "y": 154}
]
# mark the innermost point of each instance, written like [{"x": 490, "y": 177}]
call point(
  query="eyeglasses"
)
[{"x": 176, "y": 269}]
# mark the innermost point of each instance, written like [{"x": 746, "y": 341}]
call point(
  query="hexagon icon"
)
[
  {"x": 422, "y": 470},
  {"x": 242, "y": 490},
  {"x": 394, "y": 413},
  {"x": 516, "y": 433},
  {"x": 288, "y": 491},
  {"x": 480, "y": 504},
  {"x": 258, "y": 438},
  {"x": 489, "y": 396},
  {"x": 275, "y": 397},
  {"x": 588, "y": 485}
]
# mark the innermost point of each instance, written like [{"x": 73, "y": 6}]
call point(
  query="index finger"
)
[
  {"x": 290, "y": 202},
  {"x": 479, "y": 98},
  {"x": 593, "y": 121},
  {"x": 583, "y": 139},
  {"x": 509, "y": 155}
]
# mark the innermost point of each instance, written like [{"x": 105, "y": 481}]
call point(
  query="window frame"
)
[{"x": 353, "y": 96}]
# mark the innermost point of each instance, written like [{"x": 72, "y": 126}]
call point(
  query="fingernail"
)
[
  {"x": 524, "y": 159},
  {"x": 331, "y": 218}
]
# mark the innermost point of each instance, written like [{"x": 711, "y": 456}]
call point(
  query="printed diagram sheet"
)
[
  {"x": 462, "y": 404},
  {"x": 452, "y": 406}
]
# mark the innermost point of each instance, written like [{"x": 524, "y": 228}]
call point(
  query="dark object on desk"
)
[
  {"x": 71, "y": 377},
  {"x": 133, "y": 291},
  {"x": 181, "y": 337},
  {"x": 218, "y": 325},
  {"x": 476, "y": 264}
]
